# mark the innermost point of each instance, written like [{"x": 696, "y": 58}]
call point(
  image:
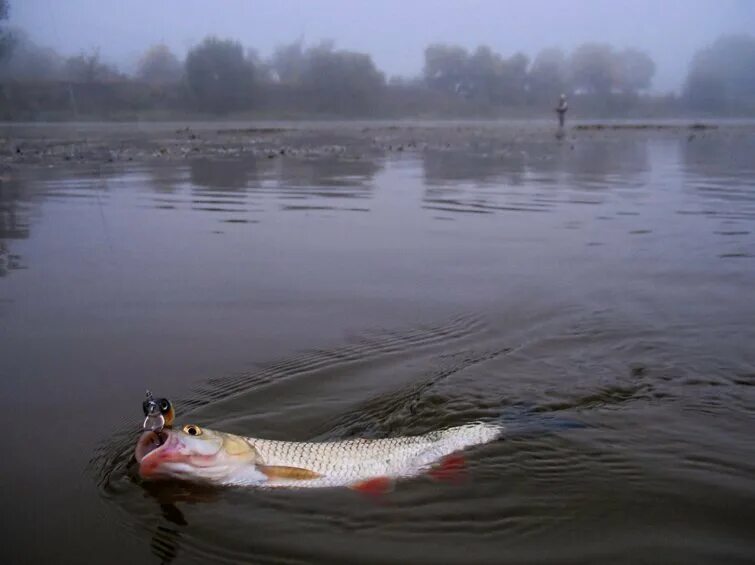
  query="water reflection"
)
[
  {"x": 24, "y": 191},
  {"x": 608, "y": 164},
  {"x": 724, "y": 156},
  {"x": 524, "y": 179},
  {"x": 220, "y": 186},
  {"x": 473, "y": 166},
  {"x": 477, "y": 179},
  {"x": 720, "y": 171},
  {"x": 250, "y": 184},
  {"x": 166, "y": 178},
  {"x": 640, "y": 330},
  {"x": 166, "y": 536},
  {"x": 224, "y": 174},
  {"x": 14, "y": 222},
  {"x": 330, "y": 172},
  {"x": 326, "y": 183}
]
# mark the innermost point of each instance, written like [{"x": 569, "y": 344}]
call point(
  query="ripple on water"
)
[{"x": 537, "y": 484}]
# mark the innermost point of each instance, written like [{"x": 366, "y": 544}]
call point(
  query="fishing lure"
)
[{"x": 158, "y": 413}]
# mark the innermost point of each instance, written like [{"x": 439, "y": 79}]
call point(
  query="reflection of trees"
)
[
  {"x": 166, "y": 178},
  {"x": 14, "y": 223},
  {"x": 730, "y": 156},
  {"x": 513, "y": 178},
  {"x": 243, "y": 173},
  {"x": 721, "y": 168},
  {"x": 221, "y": 183},
  {"x": 476, "y": 166},
  {"x": 228, "y": 174},
  {"x": 449, "y": 173},
  {"x": 605, "y": 164},
  {"x": 325, "y": 177},
  {"x": 345, "y": 174}
]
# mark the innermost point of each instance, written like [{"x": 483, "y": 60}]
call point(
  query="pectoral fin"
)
[{"x": 290, "y": 473}]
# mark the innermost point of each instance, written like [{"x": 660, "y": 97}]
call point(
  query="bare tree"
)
[
  {"x": 722, "y": 76},
  {"x": 29, "y": 61},
  {"x": 635, "y": 70},
  {"x": 446, "y": 67},
  {"x": 341, "y": 81},
  {"x": 6, "y": 39},
  {"x": 288, "y": 63},
  {"x": 592, "y": 68},
  {"x": 88, "y": 67},
  {"x": 548, "y": 75},
  {"x": 159, "y": 66},
  {"x": 219, "y": 75}
]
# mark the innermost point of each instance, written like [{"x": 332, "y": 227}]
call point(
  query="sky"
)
[{"x": 394, "y": 32}]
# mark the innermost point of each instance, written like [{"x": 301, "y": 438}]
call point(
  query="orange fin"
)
[
  {"x": 292, "y": 473},
  {"x": 378, "y": 485},
  {"x": 452, "y": 468}
]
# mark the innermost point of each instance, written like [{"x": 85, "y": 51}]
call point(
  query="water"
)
[{"x": 606, "y": 279}]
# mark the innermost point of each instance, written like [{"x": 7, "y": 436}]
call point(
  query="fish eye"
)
[{"x": 192, "y": 430}]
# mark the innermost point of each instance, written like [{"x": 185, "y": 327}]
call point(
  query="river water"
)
[{"x": 608, "y": 280}]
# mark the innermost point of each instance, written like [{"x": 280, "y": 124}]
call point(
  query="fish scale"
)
[{"x": 348, "y": 462}]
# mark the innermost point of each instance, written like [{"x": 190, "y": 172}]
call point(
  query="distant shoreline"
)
[{"x": 105, "y": 143}]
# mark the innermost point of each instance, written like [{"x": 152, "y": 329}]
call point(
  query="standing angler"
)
[{"x": 561, "y": 109}]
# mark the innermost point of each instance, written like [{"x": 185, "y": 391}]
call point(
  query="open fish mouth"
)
[{"x": 149, "y": 443}]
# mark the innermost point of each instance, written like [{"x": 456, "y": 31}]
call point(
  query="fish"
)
[{"x": 202, "y": 455}]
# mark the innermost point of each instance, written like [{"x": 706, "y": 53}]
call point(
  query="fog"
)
[
  {"x": 394, "y": 32},
  {"x": 344, "y": 59}
]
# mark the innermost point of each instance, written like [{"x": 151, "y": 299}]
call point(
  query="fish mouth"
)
[
  {"x": 151, "y": 442},
  {"x": 164, "y": 455}
]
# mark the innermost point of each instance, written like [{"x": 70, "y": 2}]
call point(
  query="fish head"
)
[{"x": 196, "y": 454}]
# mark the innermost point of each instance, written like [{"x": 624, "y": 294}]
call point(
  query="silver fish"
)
[{"x": 202, "y": 455}]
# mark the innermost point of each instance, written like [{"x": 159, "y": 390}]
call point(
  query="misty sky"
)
[{"x": 395, "y": 32}]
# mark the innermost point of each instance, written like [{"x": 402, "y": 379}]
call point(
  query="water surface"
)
[{"x": 608, "y": 280}]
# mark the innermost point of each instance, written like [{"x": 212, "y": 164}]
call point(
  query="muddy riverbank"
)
[{"x": 104, "y": 143}]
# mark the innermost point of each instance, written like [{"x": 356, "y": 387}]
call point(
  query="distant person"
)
[{"x": 561, "y": 109}]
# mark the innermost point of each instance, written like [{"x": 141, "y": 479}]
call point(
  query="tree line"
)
[{"x": 220, "y": 76}]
